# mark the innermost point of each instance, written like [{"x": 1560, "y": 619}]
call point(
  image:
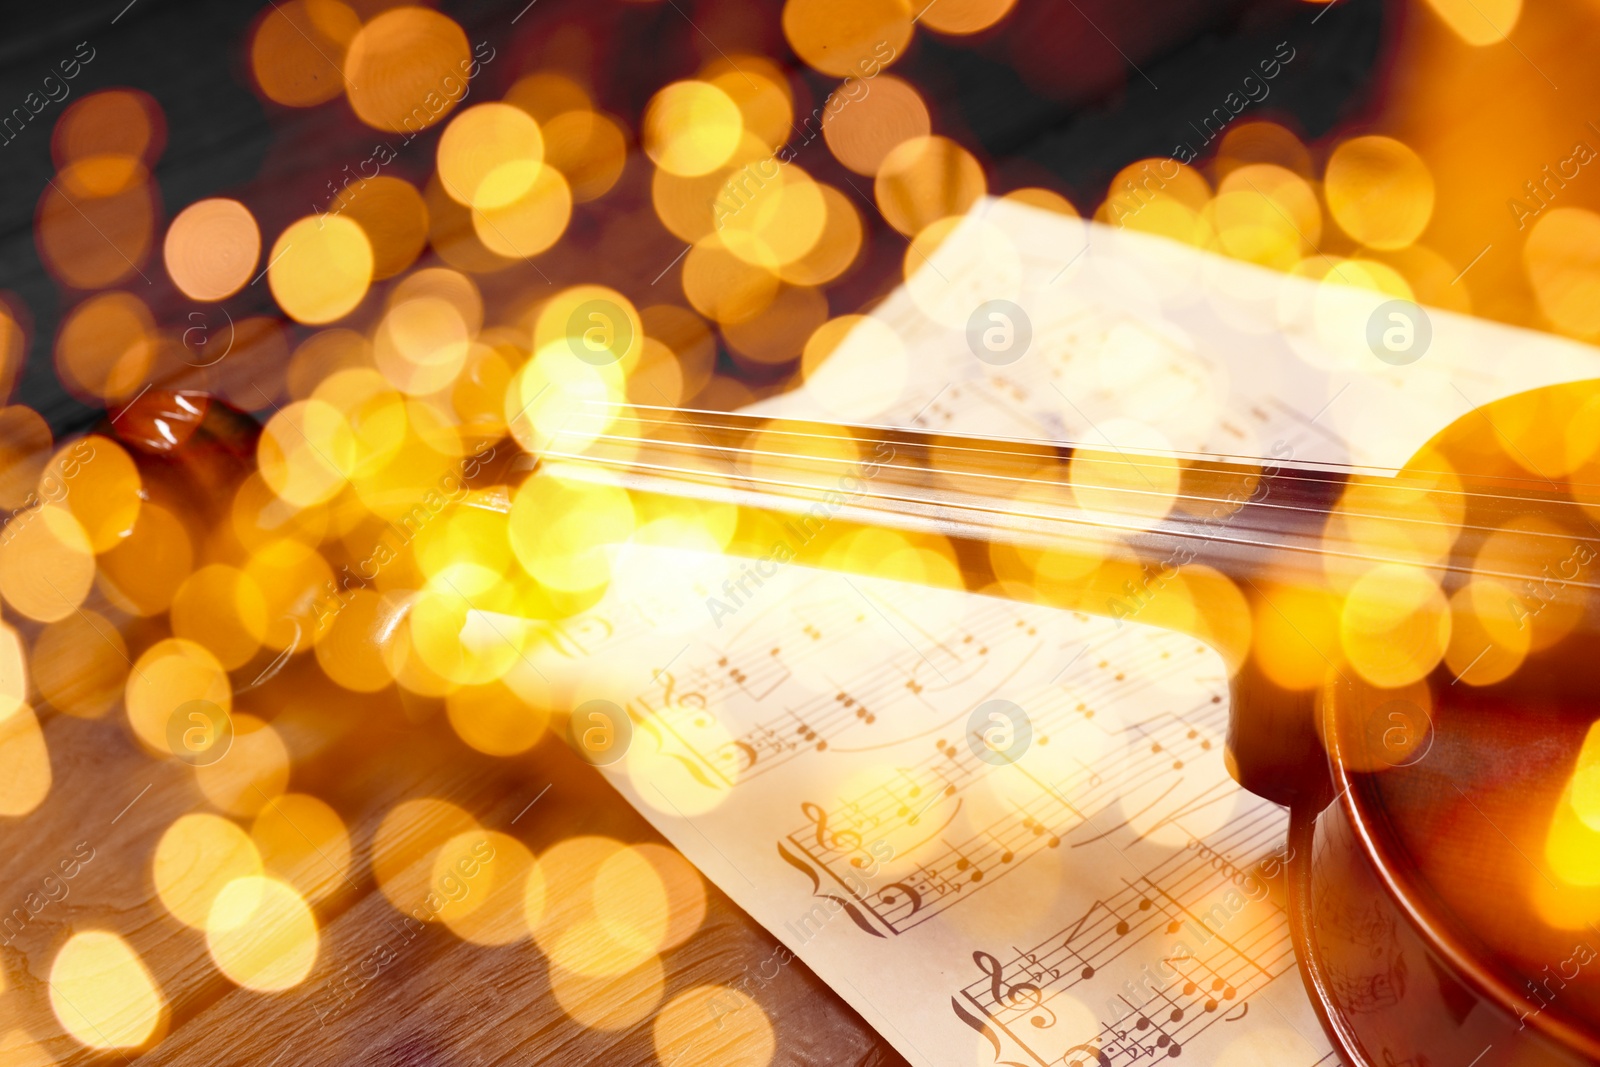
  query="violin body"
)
[
  {"x": 1426, "y": 733},
  {"x": 1413, "y": 659}
]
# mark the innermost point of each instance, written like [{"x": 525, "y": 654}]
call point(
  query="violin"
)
[{"x": 1411, "y": 656}]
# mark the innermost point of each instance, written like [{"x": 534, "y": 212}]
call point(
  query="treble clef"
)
[
  {"x": 1015, "y": 995},
  {"x": 840, "y": 840}
]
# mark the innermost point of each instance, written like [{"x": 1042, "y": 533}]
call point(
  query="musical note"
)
[{"x": 964, "y": 863}]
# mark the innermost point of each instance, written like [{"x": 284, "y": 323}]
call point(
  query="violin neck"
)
[{"x": 1236, "y": 517}]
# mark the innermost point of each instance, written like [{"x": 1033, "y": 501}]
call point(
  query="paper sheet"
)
[{"x": 820, "y": 753}]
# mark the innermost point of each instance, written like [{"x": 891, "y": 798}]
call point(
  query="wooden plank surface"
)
[{"x": 443, "y": 1000}]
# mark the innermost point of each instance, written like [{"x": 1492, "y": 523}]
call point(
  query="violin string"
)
[
  {"x": 1319, "y": 550},
  {"x": 843, "y": 462},
  {"x": 1304, "y": 474},
  {"x": 1322, "y": 512},
  {"x": 727, "y": 420}
]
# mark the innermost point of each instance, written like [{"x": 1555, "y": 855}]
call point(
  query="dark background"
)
[{"x": 1061, "y": 93}]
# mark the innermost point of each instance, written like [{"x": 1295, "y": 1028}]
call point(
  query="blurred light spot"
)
[
  {"x": 855, "y": 366},
  {"x": 925, "y": 179},
  {"x": 713, "y": 1026},
  {"x": 168, "y": 674},
  {"x": 255, "y": 770},
  {"x": 836, "y": 247},
  {"x": 562, "y": 530},
  {"x": 589, "y": 149},
  {"x": 1379, "y": 191},
  {"x": 306, "y": 451},
  {"x": 349, "y": 649},
  {"x": 483, "y": 877},
  {"x": 1395, "y": 625},
  {"x": 80, "y": 664},
  {"x": 220, "y": 608},
  {"x": 1562, "y": 258},
  {"x": 212, "y": 247},
  {"x": 26, "y": 760},
  {"x": 493, "y": 719},
  {"x": 761, "y": 90},
  {"x": 304, "y": 842},
  {"x": 113, "y": 122},
  {"x": 863, "y": 127},
  {"x": 1261, "y": 142},
  {"x": 297, "y": 50},
  {"x": 523, "y": 224},
  {"x": 102, "y": 993},
  {"x": 722, "y": 286},
  {"x": 144, "y": 571},
  {"x": 105, "y": 348},
  {"x": 964, "y": 16},
  {"x": 261, "y": 935},
  {"x": 546, "y": 94},
  {"x": 97, "y": 481},
  {"x": 1044, "y": 199},
  {"x": 196, "y": 858},
  {"x": 320, "y": 269},
  {"x": 490, "y": 141},
  {"x": 90, "y": 242},
  {"x": 691, "y": 127},
  {"x": 46, "y": 564},
  {"x": 24, "y": 449},
  {"x": 609, "y": 1002},
  {"x": 394, "y": 217},
  {"x": 406, "y": 69},
  {"x": 848, "y": 37},
  {"x": 685, "y": 890},
  {"x": 1479, "y": 22},
  {"x": 407, "y": 842}
]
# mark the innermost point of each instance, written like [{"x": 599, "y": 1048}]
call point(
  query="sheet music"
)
[
  {"x": 1144, "y": 343},
  {"x": 1111, "y": 897}
]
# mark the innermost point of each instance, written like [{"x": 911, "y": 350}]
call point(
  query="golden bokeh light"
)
[
  {"x": 166, "y": 676},
  {"x": 1395, "y": 625},
  {"x": 924, "y": 179},
  {"x": 691, "y": 128},
  {"x": 144, "y": 570},
  {"x": 106, "y": 346},
  {"x": 1379, "y": 191},
  {"x": 102, "y": 994},
  {"x": 394, "y": 217},
  {"x": 609, "y": 1002},
  {"x": 297, "y": 50},
  {"x": 46, "y": 564},
  {"x": 1562, "y": 259},
  {"x": 862, "y": 132},
  {"x": 319, "y": 269},
  {"x": 408, "y": 841},
  {"x": 962, "y": 17},
  {"x": 25, "y": 441},
  {"x": 80, "y": 664},
  {"x": 261, "y": 934},
  {"x": 848, "y": 38},
  {"x": 198, "y": 857},
  {"x": 713, "y": 1026},
  {"x": 490, "y": 155},
  {"x": 211, "y": 249},
  {"x": 27, "y": 761},
  {"x": 303, "y": 842},
  {"x": 483, "y": 877},
  {"x": 253, "y": 772},
  {"x": 407, "y": 68}
]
